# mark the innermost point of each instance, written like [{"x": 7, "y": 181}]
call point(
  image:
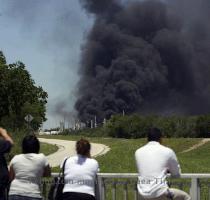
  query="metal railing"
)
[{"x": 122, "y": 186}]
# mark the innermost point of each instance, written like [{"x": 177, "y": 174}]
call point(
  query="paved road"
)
[
  {"x": 201, "y": 143},
  {"x": 67, "y": 148}
]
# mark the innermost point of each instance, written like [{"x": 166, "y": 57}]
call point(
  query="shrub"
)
[{"x": 136, "y": 126}]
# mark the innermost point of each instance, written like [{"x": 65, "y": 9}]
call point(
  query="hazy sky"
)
[{"x": 46, "y": 36}]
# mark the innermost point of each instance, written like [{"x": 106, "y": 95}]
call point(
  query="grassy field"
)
[
  {"x": 121, "y": 159},
  {"x": 121, "y": 156},
  {"x": 48, "y": 148}
]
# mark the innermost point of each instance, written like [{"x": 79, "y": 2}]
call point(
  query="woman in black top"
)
[{"x": 6, "y": 143}]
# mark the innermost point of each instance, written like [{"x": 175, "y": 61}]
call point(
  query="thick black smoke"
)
[{"x": 145, "y": 56}]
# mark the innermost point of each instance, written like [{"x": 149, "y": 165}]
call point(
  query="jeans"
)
[{"x": 18, "y": 197}]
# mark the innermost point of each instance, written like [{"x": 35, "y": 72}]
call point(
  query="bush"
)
[
  {"x": 136, "y": 126},
  {"x": 203, "y": 126}
]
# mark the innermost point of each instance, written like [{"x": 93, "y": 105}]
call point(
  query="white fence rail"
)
[{"x": 122, "y": 186}]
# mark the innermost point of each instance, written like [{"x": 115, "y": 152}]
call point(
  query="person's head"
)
[
  {"x": 83, "y": 147},
  {"x": 30, "y": 144},
  {"x": 154, "y": 134}
]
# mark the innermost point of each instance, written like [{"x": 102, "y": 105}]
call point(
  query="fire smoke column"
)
[{"x": 145, "y": 56}]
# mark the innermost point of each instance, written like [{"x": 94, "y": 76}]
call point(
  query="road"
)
[
  {"x": 201, "y": 143},
  {"x": 67, "y": 148}
]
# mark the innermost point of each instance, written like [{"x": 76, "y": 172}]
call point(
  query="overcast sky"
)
[{"x": 46, "y": 36}]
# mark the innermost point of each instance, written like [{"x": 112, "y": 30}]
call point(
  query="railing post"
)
[
  {"x": 195, "y": 189},
  {"x": 125, "y": 191},
  {"x": 101, "y": 188},
  {"x": 136, "y": 193},
  {"x": 114, "y": 191},
  {"x": 209, "y": 193}
]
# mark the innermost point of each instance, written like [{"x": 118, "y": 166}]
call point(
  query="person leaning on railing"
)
[
  {"x": 26, "y": 171},
  {"x": 80, "y": 173},
  {"x": 6, "y": 143},
  {"x": 153, "y": 162}
]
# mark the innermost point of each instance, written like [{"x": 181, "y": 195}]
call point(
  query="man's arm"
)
[
  {"x": 174, "y": 167},
  {"x": 5, "y": 136}
]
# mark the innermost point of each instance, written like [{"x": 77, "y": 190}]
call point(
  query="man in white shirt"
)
[{"x": 153, "y": 162}]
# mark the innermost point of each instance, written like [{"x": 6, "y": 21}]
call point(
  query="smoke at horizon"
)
[{"x": 147, "y": 56}]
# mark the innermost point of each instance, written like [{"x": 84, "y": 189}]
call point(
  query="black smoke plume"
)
[{"x": 146, "y": 56}]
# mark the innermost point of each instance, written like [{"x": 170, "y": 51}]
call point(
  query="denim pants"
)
[{"x": 18, "y": 197}]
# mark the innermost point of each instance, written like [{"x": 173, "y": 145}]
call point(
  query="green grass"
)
[
  {"x": 48, "y": 148},
  {"x": 121, "y": 156},
  {"x": 196, "y": 161}
]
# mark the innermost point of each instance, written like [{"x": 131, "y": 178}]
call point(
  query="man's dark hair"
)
[
  {"x": 154, "y": 134},
  {"x": 30, "y": 144}
]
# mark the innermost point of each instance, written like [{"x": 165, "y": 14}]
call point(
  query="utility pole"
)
[
  {"x": 95, "y": 125},
  {"x": 104, "y": 121},
  {"x": 91, "y": 123}
]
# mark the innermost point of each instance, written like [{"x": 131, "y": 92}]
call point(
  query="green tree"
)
[
  {"x": 20, "y": 96},
  {"x": 4, "y": 73}
]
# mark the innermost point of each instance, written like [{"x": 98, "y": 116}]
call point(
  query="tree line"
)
[
  {"x": 20, "y": 96},
  {"x": 136, "y": 126}
]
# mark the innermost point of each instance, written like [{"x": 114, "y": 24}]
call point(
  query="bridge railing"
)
[{"x": 122, "y": 186}]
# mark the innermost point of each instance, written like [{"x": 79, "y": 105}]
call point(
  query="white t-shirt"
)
[
  {"x": 154, "y": 161},
  {"x": 28, "y": 169},
  {"x": 79, "y": 174}
]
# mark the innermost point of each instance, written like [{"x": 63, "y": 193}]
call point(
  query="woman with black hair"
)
[
  {"x": 80, "y": 173},
  {"x": 26, "y": 171}
]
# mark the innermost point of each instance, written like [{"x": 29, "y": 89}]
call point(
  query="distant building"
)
[{"x": 54, "y": 132}]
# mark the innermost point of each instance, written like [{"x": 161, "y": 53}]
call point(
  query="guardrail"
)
[{"x": 122, "y": 186}]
